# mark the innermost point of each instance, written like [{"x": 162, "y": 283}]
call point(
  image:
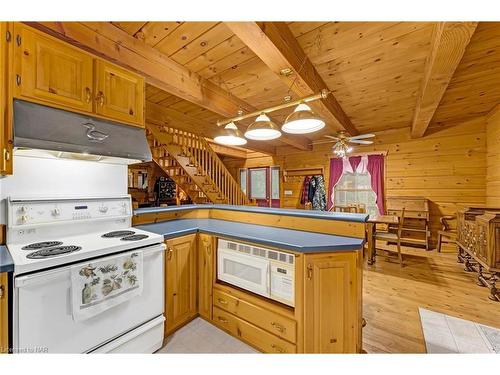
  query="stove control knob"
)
[
  {"x": 103, "y": 209},
  {"x": 24, "y": 219},
  {"x": 24, "y": 209},
  {"x": 56, "y": 212}
]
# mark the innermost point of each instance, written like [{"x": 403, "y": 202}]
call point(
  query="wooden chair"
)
[
  {"x": 393, "y": 236},
  {"x": 446, "y": 234}
]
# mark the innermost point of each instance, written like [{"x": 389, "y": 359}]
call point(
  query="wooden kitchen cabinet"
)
[
  {"x": 4, "y": 302},
  {"x": 206, "y": 267},
  {"x": 6, "y": 143},
  {"x": 55, "y": 73},
  {"x": 332, "y": 312},
  {"x": 181, "y": 281},
  {"x": 52, "y": 71},
  {"x": 119, "y": 93}
]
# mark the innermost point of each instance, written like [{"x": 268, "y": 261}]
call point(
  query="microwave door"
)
[{"x": 245, "y": 271}]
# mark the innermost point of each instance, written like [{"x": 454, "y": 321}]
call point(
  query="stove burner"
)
[
  {"x": 53, "y": 251},
  {"x": 118, "y": 233},
  {"x": 135, "y": 237},
  {"x": 41, "y": 245}
]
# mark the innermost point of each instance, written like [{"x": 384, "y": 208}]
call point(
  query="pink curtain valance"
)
[{"x": 373, "y": 164}]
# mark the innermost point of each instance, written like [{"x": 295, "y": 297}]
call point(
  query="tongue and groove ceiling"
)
[{"x": 378, "y": 72}]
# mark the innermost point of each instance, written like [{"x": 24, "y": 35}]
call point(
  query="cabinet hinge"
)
[
  {"x": 8, "y": 36},
  {"x": 2, "y": 291},
  {"x": 18, "y": 80},
  {"x": 18, "y": 39},
  {"x": 6, "y": 154}
]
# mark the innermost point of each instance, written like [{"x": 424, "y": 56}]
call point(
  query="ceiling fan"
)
[{"x": 342, "y": 140}]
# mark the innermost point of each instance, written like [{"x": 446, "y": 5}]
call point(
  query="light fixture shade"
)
[
  {"x": 230, "y": 136},
  {"x": 263, "y": 129},
  {"x": 302, "y": 121}
]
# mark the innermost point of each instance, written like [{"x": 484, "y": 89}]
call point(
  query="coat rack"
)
[{"x": 307, "y": 171}]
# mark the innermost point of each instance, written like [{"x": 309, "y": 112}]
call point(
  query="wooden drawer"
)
[
  {"x": 251, "y": 334},
  {"x": 270, "y": 321},
  {"x": 409, "y": 214}
]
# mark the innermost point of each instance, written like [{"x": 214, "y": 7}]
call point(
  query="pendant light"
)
[
  {"x": 302, "y": 121},
  {"x": 230, "y": 136},
  {"x": 263, "y": 129}
]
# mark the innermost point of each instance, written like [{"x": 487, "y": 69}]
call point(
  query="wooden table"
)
[{"x": 370, "y": 232}]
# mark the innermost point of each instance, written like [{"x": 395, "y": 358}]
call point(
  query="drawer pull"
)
[
  {"x": 278, "y": 348},
  {"x": 170, "y": 251},
  {"x": 221, "y": 301},
  {"x": 279, "y": 327},
  {"x": 222, "y": 320}
]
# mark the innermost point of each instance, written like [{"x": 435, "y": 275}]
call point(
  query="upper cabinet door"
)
[
  {"x": 119, "y": 93},
  {"x": 52, "y": 71}
]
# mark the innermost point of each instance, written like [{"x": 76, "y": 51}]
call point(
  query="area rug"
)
[{"x": 447, "y": 334}]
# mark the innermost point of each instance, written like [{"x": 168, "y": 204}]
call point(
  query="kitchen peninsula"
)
[{"x": 325, "y": 315}]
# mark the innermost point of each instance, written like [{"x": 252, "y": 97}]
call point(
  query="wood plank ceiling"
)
[{"x": 374, "y": 69}]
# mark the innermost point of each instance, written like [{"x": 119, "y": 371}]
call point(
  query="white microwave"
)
[{"x": 269, "y": 273}]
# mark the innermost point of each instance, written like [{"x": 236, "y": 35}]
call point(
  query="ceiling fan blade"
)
[
  {"x": 331, "y": 137},
  {"x": 360, "y": 142},
  {"x": 362, "y": 136}
]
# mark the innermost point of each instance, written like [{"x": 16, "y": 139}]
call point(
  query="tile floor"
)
[
  {"x": 447, "y": 334},
  {"x": 200, "y": 336}
]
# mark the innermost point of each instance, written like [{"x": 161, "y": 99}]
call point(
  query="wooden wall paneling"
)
[
  {"x": 448, "y": 166},
  {"x": 493, "y": 158},
  {"x": 448, "y": 43}
]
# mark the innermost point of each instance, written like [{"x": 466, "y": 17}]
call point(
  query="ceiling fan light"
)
[
  {"x": 262, "y": 129},
  {"x": 302, "y": 121},
  {"x": 230, "y": 136}
]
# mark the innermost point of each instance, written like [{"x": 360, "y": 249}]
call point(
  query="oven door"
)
[
  {"x": 245, "y": 271},
  {"x": 43, "y": 319}
]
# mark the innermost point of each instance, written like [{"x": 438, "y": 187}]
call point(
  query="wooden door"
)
[
  {"x": 4, "y": 324},
  {"x": 51, "y": 71},
  {"x": 181, "y": 281},
  {"x": 331, "y": 309},
  {"x": 206, "y": 251},
  {"x": 6, "y": 143},
  {"x": 119, "y": 93}
]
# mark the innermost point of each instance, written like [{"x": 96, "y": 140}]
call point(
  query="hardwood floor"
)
[{"x": 431, "y": 280}]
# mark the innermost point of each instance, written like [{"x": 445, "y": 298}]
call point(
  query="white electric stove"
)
[{"x": 46, "y": 238}]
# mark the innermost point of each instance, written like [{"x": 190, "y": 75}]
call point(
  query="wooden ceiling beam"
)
[
  {"x": 448, "y": 43},
  {"x": 158, "y": 114},
  {"x": 275, "y": 45},
  {"x": 111, "y": 43}
]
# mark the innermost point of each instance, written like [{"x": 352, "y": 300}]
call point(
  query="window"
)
[
  {"x": 258, "y": 183},
  {"x": 355, "y": 188},
  {"x": 275, "y": 183},
  {"x": 243, "y": 180}
]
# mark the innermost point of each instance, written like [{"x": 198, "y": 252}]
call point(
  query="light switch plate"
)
[{"x": 288, "y": 192}]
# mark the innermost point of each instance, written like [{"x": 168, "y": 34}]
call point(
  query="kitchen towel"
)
[{"x": 105, "y": 283}]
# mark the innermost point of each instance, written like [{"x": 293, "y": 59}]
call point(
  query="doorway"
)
[{"x": 262, "y": 184}]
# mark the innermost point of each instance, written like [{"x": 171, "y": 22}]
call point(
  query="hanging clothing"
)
[
  {"x": 319, "y": 198},
  {"x": 312, "y": 189},
  {"x": 304, "y": 197}
]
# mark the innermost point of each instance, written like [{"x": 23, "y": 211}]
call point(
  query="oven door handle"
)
[{"x": 45, "y": 276}]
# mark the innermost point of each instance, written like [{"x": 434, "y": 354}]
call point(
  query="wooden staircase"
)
[{"x": 189, "y": 160}]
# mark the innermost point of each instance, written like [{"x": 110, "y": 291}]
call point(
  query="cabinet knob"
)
[{"x": 170, "y": 251}]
